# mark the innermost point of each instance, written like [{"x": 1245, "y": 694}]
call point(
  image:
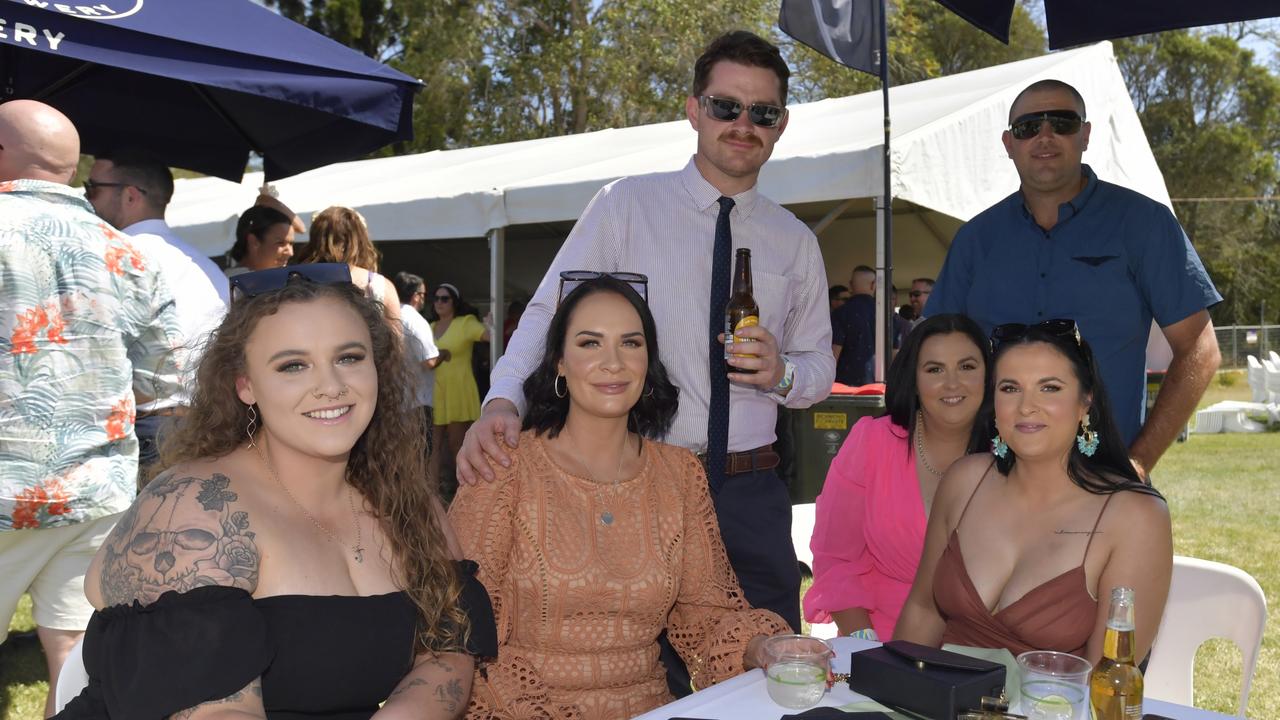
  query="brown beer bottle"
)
[
  {"x": 742, "y": 310},
  {"x": 1115, "y": 687}
]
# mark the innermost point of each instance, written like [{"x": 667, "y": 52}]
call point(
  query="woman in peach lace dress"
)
[{"x": 597, "y": 538}]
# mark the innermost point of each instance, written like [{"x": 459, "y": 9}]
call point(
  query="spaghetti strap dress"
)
[{"x": 1058, "y": 614}]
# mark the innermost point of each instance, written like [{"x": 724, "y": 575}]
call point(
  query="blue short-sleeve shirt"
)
[{"x": 1115, "y": 260}]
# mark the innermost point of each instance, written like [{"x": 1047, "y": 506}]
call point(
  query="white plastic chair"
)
[
  {"x": 1206, "y": 600},
  {"x": 71, "y": 679},
  {"x": 1272, "y": 372},
  {"x": 802, "y": 520},
  {"x": 1257, "y": 380}
]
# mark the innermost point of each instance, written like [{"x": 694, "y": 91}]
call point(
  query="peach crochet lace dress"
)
[{"x": 580, "y": 603}]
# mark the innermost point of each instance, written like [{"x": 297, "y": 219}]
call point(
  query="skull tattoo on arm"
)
[{"x": 180, "y": 533}]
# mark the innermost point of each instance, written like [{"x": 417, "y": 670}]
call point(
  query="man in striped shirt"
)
[{"x": 664, "y": 226}]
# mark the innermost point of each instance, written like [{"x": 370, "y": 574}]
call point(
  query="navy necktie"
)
[{"x": 718, "y": 410}]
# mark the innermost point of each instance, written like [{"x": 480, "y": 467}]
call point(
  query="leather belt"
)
[{"x": 737, "y": 463}]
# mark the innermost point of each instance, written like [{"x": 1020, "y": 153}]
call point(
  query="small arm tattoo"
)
[
  {"x": 451, "y": 695},
  {"x": 254, "y": 688},
  {"x": 416, "y": 682},
  {"x": 180, "y": 533}
]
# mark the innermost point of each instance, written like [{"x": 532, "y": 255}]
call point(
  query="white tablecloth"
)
[{"x": 745, "y": 697}]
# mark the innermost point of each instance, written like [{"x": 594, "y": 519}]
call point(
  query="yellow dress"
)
[
  {"x": 457, "y": 399},
  {"x": 579, "y": 603}
]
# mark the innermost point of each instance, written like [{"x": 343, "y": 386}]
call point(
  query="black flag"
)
[{"x": 847, "y": 31}]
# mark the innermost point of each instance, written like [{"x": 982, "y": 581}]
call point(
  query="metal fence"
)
[{"x": 1237, "y": 342}]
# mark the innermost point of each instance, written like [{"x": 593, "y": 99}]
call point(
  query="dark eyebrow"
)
[
  {"x": 592, "y": 333},
  {"x": 354, "y": 344},
  {"x": 637, "y": 333},
  {"x": 1051, "y": 378}
]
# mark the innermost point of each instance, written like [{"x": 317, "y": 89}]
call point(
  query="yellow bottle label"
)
[{"x": 730, "y": 338}]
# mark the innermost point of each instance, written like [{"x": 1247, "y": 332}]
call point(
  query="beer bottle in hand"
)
[
  {"x": 1115, "y": 687},
  {"x": 742, "y": 310}
]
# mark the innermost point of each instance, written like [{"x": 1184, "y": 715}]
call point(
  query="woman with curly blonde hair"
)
[
  {"x": 340, "y": 235},
  {"x": 289, "y": 562}
]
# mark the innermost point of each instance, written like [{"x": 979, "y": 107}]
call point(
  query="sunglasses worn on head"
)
[
  {"x": 571, "y": 279},
  {"x": 727, "y": 110},
  {"x": 1057, "y": 327},
  {"x": 1062, "y": 122},
  {"x": 252, "y": 284}
]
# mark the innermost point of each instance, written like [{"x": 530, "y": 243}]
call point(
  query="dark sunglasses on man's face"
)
[
  {"x": 727, "y": 110},
  {"x": 1062, "y": 122},
  {"x": 252, "y": 284},
  {"x": 1057, "y": 327},
  {"x": 918, "y": 293},
  {"x": 91, "y": 187}
]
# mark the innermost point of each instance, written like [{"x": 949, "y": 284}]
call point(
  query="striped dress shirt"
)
[{"x": 663, "y": 225}]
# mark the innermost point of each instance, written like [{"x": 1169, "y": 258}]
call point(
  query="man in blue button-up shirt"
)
[{"x": 1068, "y": 245}]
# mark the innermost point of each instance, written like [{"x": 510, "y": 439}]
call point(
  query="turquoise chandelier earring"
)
[
  {"x": 998, "y": 447},
  {"x": 1087, "y": 440}
]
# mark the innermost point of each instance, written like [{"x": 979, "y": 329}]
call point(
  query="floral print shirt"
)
[{"x": 84, "y": 323}]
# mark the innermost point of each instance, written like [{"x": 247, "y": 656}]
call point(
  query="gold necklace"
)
[
  {"x": 924, "y": 459},
  {"x": 357, "y": 552},
  {"x": 606, "y": 517}
]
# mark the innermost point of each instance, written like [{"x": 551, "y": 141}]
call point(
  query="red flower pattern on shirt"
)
[
  {"x": 50, "y": 496},
  {"x": 121, "y": 419}
]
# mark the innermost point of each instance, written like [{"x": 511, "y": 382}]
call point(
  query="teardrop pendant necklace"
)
[{"x": 606, "y": 515}]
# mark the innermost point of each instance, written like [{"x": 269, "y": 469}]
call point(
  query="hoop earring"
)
[
  {"x": 252, "y": 427},
  {"x": 1087, "y": 441},
  {"x": 998, "y": 447},
  {"x": 555, "y": 385},
  {"x": 649, "y": 392}
]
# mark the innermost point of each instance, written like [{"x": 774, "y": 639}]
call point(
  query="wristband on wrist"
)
[
  {"x": 865, "y": 634},
  {"x": 788, "y": 378}
]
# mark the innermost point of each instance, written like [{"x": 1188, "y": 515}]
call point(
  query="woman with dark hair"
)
[
  {"x": 870, "y": 518},
  {"x": 457, "y": 329},
  {"x": 340, "y": 235},
  {"x": 264, "y": 240},
  {"x": 1021, "y": 545},
  {"x": 290, "y": 562},
  {"x": 597, "y": 537}
]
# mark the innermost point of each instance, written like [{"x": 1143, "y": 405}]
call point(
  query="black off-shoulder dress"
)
[{"x": 335, "y": 657}]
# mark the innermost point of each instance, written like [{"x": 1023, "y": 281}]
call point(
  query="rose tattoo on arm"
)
[{"x": 180, "y": 533}]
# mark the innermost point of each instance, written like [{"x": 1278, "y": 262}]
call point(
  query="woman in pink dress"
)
[{"x": 870, "y": 518}]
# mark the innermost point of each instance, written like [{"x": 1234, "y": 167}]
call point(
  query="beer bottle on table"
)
[
  {"x": 742, "y": 310},
  {"x": 1115, "y": 687}
]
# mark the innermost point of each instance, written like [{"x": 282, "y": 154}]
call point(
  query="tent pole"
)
[
  {"x": 497, "y": 283},
  {"x": 884, "y": 221}
]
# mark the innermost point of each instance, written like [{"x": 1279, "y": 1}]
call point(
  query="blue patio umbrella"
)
[
  {"x": 201, "y": 83},
  {"x": 1077, "y": 22}
]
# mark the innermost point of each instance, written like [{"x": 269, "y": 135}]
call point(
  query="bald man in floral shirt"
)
[{"x": 87, "y": 329}]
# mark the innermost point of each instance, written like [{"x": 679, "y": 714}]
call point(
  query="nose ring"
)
[{"x": 317, "y": 393}]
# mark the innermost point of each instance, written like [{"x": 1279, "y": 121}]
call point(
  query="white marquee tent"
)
[{"x": 948, "y": 164}]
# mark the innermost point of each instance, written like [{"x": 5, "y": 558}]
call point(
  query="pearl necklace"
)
[
  {"x": 924, "y": 459},
  {"x": 357, "y": 552}
]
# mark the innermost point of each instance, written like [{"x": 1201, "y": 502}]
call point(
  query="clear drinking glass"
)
[
  {"x": 1055, "y": 686},
  {"x": 796, "y": 667}
]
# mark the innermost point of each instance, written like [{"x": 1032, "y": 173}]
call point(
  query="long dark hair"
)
[
  {"x": 901, "y": 396},
  {"x": 652, "y": 414},
  {"x": 1109, "y": 470}
]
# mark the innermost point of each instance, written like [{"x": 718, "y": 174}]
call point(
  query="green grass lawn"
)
[{"x": 1224, "y": 495}]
